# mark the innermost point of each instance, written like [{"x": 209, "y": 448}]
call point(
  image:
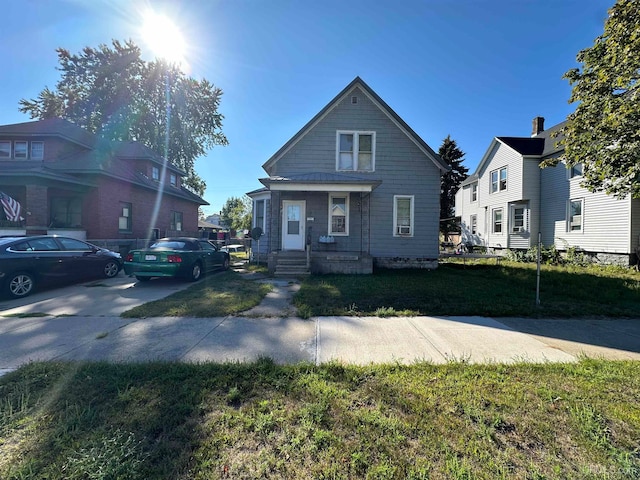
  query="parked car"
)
[
  {"x": 176, "y": 257},
  {"x": 233, "y": 248},
  {"x": 28, "y": 261}
]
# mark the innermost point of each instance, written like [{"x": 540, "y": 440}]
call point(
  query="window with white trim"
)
[
  {"x": 518, "y": 219},
  {"x": 403, "y": 215},
  {"x": 37, "y": 150},
  {"x": 575, "y": 210},
  {"x": 473, "y": 222},
  {"x": 20, "y": 149},
  {"x": 155, "y": 174},
  {"x": 355, "y": 151},
  {"x": 173, "y": 180},
  {"x": 339, "y": 214},
  {"x": 260, "y": 214},
  {"x": 124, "y": 220},
  {"x": 474, "y": 192},
  {"x": 5, "y": 149},
  {"x": 499, "y": 180},
  {"x": 496, "y": 220}
]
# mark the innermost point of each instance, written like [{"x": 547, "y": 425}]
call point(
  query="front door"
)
[{"x": 293, "y": 215}]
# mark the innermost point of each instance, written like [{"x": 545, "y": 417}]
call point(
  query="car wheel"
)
[
  {"x": 21, "y": 284},
  {"x": 111, "y": 269},
  {"x": 143, "y": 279},
  {"x": 225, "y": 264},
  {"x": 196, "y": 272}
]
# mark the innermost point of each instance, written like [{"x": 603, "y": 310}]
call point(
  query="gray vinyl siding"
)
[
  {"x": 606, "y": 222},
  {"x": 263, "y": 246},
  {"x": 401, "y": 166}
]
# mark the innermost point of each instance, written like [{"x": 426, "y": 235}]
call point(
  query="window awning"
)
[{"x": 320, "y": 182}]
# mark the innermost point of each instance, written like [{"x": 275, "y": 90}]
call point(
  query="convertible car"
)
[{"x": 185, "y": 257}]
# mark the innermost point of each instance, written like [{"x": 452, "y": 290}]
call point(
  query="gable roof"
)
[
  {"x": 373, "y": 96},
  {"x": 541, "y": 145}
]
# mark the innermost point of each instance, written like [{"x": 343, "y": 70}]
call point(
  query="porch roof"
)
[{"x": 320, "y": 182}]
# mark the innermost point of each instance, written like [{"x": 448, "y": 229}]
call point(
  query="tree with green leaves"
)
[
  {"x": 113, "y": 92},
  {"x": 603, "y": 133},
  {"x": 451, "y": 180},
  {"x": 236, "y": 213}
]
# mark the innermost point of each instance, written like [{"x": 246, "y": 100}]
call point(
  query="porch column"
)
[{"x": 36, "y": 210}]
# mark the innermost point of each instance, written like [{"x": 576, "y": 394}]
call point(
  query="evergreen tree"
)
[{"x": 452, "y": 156}]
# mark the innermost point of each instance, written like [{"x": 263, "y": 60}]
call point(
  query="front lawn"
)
[
  {"x": 259, "y": 420},
  {"x": 502, "y": 290},
  {"x": 218, "y": 295}
]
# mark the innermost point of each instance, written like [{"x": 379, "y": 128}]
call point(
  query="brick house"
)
[{"x": 71, "y": 182}]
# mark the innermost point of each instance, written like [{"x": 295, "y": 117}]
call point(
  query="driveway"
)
[{"x": 98, "y": 298}]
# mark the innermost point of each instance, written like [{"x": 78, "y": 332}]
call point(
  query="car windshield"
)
[{"x": 169, "y": 245}]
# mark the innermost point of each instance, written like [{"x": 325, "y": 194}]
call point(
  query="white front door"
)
[{"x": 293, "y": 216}]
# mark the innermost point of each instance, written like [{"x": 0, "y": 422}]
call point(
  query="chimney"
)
[{"x": 538, "y": 126}]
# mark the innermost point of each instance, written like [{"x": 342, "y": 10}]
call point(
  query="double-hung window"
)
[
  {"x": 124, "y": 220},
  {"x": 338, "y": 214},
  {"x": 259, "y": 210},
  {"x": 173, "y": 180},
  {"x": 574, "y": 215},
  {"x": 518, "y": 219},
  {"x": 176, "y": 221},
  {"x": 5, "y": 149},
  {"x": 155, "y": 173},
  {"x": 37, "y": 150},
  {"x": 474, "y": 192},
  {"x": 356, "y": 151},
  {"x": 473, "y": 221},
  {"x": 499, "y": 180},
  {"x": 20, "y": 149},
  {"x": 496, "y": 221},
  {"x": 403, "y": 216}
]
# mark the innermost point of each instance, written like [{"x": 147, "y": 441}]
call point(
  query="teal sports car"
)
[{"x": 184, "y": 257}]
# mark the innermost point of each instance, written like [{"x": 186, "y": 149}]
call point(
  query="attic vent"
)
[{"x": 354, "y": 100}]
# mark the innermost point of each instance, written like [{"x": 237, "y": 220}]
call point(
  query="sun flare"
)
[{"x": 164, "y": 38}]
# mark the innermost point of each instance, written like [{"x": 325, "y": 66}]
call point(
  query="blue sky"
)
[{"x": 473, "y": 69}]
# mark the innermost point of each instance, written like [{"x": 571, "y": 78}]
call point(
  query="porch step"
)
[{"x": 291, "y": 264}]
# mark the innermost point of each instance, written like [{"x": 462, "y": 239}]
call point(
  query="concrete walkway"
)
[{"x": 82, "y": 323}]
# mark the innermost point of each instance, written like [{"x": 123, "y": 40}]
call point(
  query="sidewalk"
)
[{"x": 273, "y": 330}]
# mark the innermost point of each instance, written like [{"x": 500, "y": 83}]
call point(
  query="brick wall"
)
[{"x": 102, "y": 209}]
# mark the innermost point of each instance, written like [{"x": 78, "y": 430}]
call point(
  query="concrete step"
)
[{"x": 291, "y": 270}]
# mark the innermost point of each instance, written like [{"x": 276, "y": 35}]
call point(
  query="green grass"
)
[
  {"x": 260, "y": 420},
  {"x": 502, "y": 290},
  {"x": 214, "y": 296}
]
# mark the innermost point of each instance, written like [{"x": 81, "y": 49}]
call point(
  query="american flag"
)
[{"x": 11, "y": 207}]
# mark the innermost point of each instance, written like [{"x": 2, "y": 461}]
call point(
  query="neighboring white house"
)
[{"x": 509, "y": 199}]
